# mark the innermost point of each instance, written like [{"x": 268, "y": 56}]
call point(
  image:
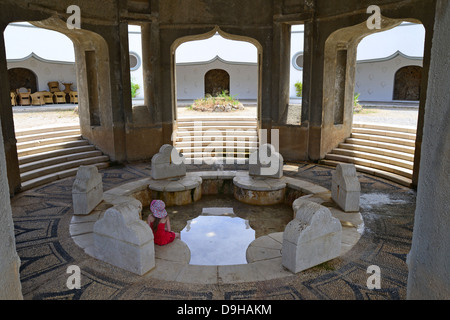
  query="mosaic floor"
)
[{"x": 42, "y": 216}]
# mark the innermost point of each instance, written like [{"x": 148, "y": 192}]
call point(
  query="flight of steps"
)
[
  {"x": 382, "y": 150},
  {"x": 203, "y": 137},
  {"x": 52, "y": 153}
]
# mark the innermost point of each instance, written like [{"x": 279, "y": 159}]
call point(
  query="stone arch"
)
[
  {"x": 84, "y": 41},
  {"x": 93, "y": 74},
  {"x": 22, "y": 77},
  {"x": 339, "y": 80},
  {"x": 207, "y": 35},
  {"x": 407, "y": 82},
  {"x": 216, "y": 81}
]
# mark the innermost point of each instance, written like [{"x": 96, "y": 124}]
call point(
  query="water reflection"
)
[{"x": 218, "y": 237}]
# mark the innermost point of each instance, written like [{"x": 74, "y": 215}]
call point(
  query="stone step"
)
[
  {"x": 371, "y": 164},
  {"x": 55, "y": 153},
  {"x": 221, "y": 117},
  {"x": 41, "y": 142},
  {"x": 379, "y": 138},
  {"x": 219, "y": 133},
  {"x": 217, "y": 160},
  {"x": 378, "y": 151},
  {"x": 381, "y": 145},
  {"x": 57, "y": 160},
  {"x": 404, "y": 181},
  {"x": 192, "y": 123},
  {"x": 385, "y": 133},
  {"x": 385, "y": 127},
  {"x": 51, "y": 147},
  {"x": 195, "y": 137},
  {"x": 225, "y": 144},
  {"x": 375, "y": 157},
  {"x": 41, "y": 180},
  {"x": 61, "y": 167},
  {"x": 47, "y": 135},
  {"x": 199, "y": 154},
  {"x": 39, "y": 130},
  {"x": 218, "y": 126},
  {"x": 216, "y": 150}
]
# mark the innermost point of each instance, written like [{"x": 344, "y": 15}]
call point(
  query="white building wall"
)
[
  {"x": 374, "y": 79},
  {"x": 190, "y": 79},
  {"x": 47, "y": 71}
]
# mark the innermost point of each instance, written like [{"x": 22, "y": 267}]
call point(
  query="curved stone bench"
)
[
  {"x": 259, "y": 191},
  {"x": 172, "y": 261},
  {"x": 177, "y": 191}
]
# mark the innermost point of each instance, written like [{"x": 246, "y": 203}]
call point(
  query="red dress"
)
[{"x": 162, "y": 236}]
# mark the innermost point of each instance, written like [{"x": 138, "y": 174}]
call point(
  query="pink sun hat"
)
[{"x": 157, "y": 207}]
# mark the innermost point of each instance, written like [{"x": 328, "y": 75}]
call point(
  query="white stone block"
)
[
  {"x": 266, "y": 162},
  {"x": 168, "y": 163},
  {"x": 345, "y": 187},
  {"x": 87, "y": 190},
  {"x": 313, "y": 237},
  {"x": 122, "y": 239}
]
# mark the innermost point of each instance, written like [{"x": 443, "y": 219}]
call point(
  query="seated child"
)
[{"x": 159, "y": 222}]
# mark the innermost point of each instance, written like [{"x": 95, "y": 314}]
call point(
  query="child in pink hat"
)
[{"x": 159, "y": 222}]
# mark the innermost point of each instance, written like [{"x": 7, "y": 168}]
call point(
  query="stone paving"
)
[{"x": 42, "y": 218}]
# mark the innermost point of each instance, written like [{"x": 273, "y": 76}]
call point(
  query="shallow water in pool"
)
[{"x": 219, "y": 228}]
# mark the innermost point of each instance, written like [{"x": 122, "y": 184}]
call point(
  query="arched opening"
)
[
  {"x": 72, "y": 68},
  {"x": 407, "y": 83},
  {"x": 214, "y": 62},
  {"x": 359, "y": 107},
  {"x": 206, "y": 67},
  {"x": 22, "y": 78},
  {"x": 216, "y": 82}
]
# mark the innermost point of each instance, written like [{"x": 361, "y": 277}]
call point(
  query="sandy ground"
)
[{"x": 25, "y": 118}]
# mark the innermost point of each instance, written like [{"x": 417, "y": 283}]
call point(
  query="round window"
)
[
  {"x": 135, "y": 61},
  {"x": 297, "y": 61}
]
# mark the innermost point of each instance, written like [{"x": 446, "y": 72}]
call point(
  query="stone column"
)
[
  {"x": 7, "y": 123},
  {"x": 429, "y": 259},
  {"x": 280, "y": 72},
  {"x": 313, "y": 56},
  {"x": 10, "y": 287},
  {"x": 422, "y": 102},
  {"x": 150, "y": 49}
]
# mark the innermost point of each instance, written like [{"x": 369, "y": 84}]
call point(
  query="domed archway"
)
[
  {"x": 407, "y": 83},
  {"x": 22, "y": 77},
  {"x": 217, "y": 81}
]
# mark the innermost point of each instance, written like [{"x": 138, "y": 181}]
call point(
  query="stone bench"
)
[
  {"x": 82, "y": 227},
  {"x": 258, "y": 190},
  {"x": 175, "y": 191},
  {"x": 311, "y": 238}
]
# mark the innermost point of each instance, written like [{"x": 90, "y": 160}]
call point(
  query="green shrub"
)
[
  {"x": 134, "y": 89},
  {"x": 356, "y": 106},
  {"x": 299, "y": 88}
]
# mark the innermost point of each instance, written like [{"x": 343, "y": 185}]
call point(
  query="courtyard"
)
[
  {"x": 391, "y": 245},
  {"x": 35, "y": 116},
  {"x": 44, "y": 242}
]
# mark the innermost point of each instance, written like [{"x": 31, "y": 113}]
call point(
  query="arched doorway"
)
[
  {"x": 407, "y": 83},
  {"x": 380, "y": 133},
  {"x": 22, "y": 77},
  {"x": 217, "y": 81}
]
